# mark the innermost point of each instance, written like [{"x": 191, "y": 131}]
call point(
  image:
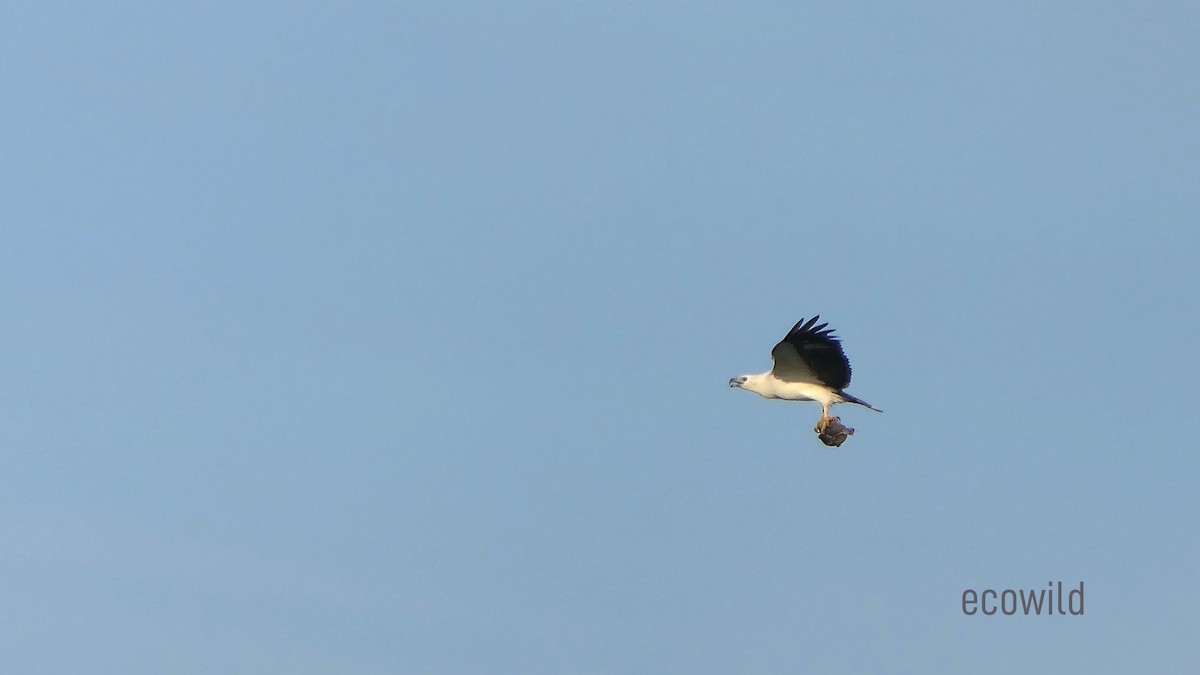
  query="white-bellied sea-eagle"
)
[{"x": 809, "y": 366}]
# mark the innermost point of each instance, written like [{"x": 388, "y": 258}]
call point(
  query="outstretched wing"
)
[{"x": 810, "y": 353}]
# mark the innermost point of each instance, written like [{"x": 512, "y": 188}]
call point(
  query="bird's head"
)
[{"x": 738, "y": 381}]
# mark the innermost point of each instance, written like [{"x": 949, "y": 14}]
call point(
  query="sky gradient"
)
[{"x": 394, "y": 337}]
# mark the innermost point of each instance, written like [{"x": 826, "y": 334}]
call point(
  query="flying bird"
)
[{"x": 809, "y": 366}]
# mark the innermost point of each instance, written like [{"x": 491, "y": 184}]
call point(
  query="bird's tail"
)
[{"x": 852, "y": 399}]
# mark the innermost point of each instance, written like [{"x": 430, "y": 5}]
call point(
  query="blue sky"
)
[{"x": 394, "y": 337}]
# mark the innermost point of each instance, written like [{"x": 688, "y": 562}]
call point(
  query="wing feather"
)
[{"x": 810, "y": 353}]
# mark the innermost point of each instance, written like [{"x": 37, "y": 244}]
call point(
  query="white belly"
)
[{"x": 801, "y": 391}]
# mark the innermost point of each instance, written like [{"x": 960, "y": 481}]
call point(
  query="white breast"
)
[{"x": 799, "y": 391}]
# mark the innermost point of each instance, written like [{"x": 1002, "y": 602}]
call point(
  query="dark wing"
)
[{"x": 810, "y": 353}]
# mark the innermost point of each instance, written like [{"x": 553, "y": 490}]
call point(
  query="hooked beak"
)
[{"x": 733, "y": 382}]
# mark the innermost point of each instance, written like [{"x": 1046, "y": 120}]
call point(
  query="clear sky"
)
[{"x": 394, "y": 337}]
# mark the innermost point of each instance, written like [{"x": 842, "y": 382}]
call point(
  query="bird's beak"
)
[{"x": 733, "y": 382}]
